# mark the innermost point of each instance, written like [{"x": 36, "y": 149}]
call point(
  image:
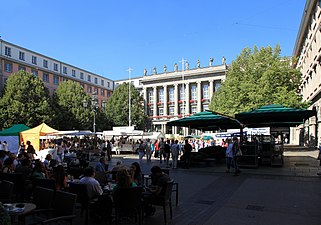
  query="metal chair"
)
[
  {"x": 128, "y": 203},
  {"x": 6, "y": 191}
]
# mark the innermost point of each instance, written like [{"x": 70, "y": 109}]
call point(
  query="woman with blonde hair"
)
[{"x": 124, "y": 179}]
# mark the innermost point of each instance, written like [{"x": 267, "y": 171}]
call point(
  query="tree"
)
[
  {"x": 71, "y": 114},
  {"x": 258, "y": 77},
  {"x": 117, "y": 107},
  {"x": 25, "y": 100}
]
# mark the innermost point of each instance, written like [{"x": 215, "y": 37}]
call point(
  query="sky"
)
[{"x": 107, "y": 37}]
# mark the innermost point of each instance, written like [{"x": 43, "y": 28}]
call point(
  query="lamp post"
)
[{"x": 94, "y": 106}]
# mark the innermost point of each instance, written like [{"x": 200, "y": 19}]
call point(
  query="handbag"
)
[{"x": 239, "y": 153}]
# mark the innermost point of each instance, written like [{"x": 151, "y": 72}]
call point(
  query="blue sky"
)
[{"x": 106, "y": 37}]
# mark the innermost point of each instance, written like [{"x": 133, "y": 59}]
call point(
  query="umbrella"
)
[
  {"x": 207, "y": 120},
  {"x": 274, "y": 115},
  {"x": 206, "y": 138}
]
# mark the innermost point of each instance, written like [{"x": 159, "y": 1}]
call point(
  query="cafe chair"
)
[
  {"x": 128, "y": 204},
  {"x": 63, "y": 208},
  {"x": 6, "y": 191},
  {"x": 75, "y": 171},
  {"x": 45, "y": 183},
  {"x": 19, "y": 189},
  {"x": 165, "y": 200},
  {"x": 80, "y": 189},
  {"x": 175, "y": 187}
]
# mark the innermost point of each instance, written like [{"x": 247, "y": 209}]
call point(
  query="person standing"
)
[
  {"x": 109, "y": 148},
  {"x": 141, "y": 151},
  {"x": 167, "y": 151},
  {"x": 229, "y": 155},
  {"x": 236, "y": 149},
  {"x": 187, "y": 154},
  {"x": 161, "y": 150},
  {"x": 175, "y": 152},
  {"x": 148, "y": 150},
  {"x": 156, "y": 148},
  {"x": 31, "y": 150}
]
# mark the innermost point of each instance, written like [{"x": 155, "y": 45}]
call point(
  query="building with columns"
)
[
  {"x": 179, "y": 93},
  {"x": 51, "y": 71},
  {"x": 307, "y": 50}
]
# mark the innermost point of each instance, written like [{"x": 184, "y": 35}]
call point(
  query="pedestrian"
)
[
  {"x": 148, "y": 150},
  {"x": 175, "y": 152},
  {"x": 161, "y": 150},
  {"x": 156, "y": 149},
  {"x": 229, "y": 154},
  {"x": 141, "y": 151},
  {"x": 31, "y": 150},
  {"x": 167, "y": 152},
  {"x": 319, "y": 156},
  {"x": 187, "y": 149},
  {"x": 109, "y": 148},
  {"x": 236, "y": 153}
]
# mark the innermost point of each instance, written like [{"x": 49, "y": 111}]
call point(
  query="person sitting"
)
[
  {"x": 103, "y": 204},
  {"x": 93, "y": 187},
  {"x": 101, "y": 166},
  {"x": 8, "y": 166},
  {"x": 39, "y": 171},
  {"x": 123, "y": 179},
  {"x": 136, "y": 173},
  {"x": 59, "y": 174},
  {"x": 119, "y": 164},
  {"x": 156, "y": 190}
]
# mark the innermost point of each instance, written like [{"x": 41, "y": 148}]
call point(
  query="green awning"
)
[
  {"x": 274, "y": 115},
  {"x": 14, "y": 130}
]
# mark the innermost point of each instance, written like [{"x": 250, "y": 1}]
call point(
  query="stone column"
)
[
  {"x": 312, "y": 131},
  {"x": 155, "y": 101},
  {"x": 210, "y": 89},
  {"x": 165, "y": 100},
  {"x": 187, "y": 98},
  {"x": 199, "y": 96},
  {"x": 176, "y": 99},
  {"x": 145, "y": 99}
]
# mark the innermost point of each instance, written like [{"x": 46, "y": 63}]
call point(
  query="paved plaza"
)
[{"x": 288, "y": 195}]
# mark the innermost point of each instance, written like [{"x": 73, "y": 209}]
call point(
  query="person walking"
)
[
  {"x": 236, "y": 152},
  {"x": 148, "y": 150},
  {"x": 161, "y": 150},
  {"x": 175, "y": 152},
  {"x": 187, "y": 154},
  {"x": 141, "y": 151},
  {"x": 167, "y": 152},
  {"x": 229, "y": 154}
]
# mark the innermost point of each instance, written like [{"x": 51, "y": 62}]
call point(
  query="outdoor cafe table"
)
[{"x": 19, "y": 212}]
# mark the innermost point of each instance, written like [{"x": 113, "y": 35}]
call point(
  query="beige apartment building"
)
[
  {"x": 178, "y": 93},
  {"x": 308, "y": 52},
  {"x": 51, "y": 71}
]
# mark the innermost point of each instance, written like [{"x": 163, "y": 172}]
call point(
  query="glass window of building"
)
[
  {"x": 64, "y": 69},
  {"x": 102, "y": 92},
  {"x": 205, "y": 91},
  {"x": 56, "y": 79},
  {"x": 161, "y": 95},
  {"x": 55, "y": 66},
  {"x": 96, "y": 90},
  {"x": 217, "y": 85},
  {"x": 22, "y": 68},
  {"x": 182, "y": 92},
  {"x": 150, "y": 96},
  {"x": 45, "y": 63},
  {"x": 81, "y": 75},
  {"x": 161, "y": 112},
  {"x": 182, "y": 110},
  {"x": 171, "y": 94},
  {"x": 7, "y": 51},
  {"x": 73, "y": 73},
  {"x": 34, "y": 60},
  {"x": 108, "y": 84},
  {"x": 45, "y": 77},
  {"x": 194, "y": 109},
  {"x": 21, "y": 55},
  {"x": 96, "y": 80},
  {"x": 150, "y": 112},
  {"x": 102, "y": 82},
  {"x": 171, "y": 111},
  {"x": 35, "y": 72},
  {"x": 89, "y": 78},
  {"x": 8, "y": 67},
  {"x": 89, "y": 89},
  {"x": 205, "y": 107},
  {"x": 193, "y": 92},
  {"x": 108, "y": 94}
]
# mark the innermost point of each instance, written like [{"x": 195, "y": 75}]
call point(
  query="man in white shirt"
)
[{"x": 93, "y": 187}]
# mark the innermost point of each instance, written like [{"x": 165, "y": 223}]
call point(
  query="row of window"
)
[
  {"x": 55, "y": 67},
  {"x": 171, "y": 111},
  {"x": 193, "y": 92}
]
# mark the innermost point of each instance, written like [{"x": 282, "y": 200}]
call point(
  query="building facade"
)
[
  {"x": 308, "y": 52},
  {"x": 179, "y": 93},
  {"x": 51, "y": 71}
]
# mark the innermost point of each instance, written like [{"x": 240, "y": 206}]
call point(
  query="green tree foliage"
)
[
  {"x": 117, "y": 110},
  {"x": 25, "y": 100},
  {"x": 258, "y": 77},
  {"x": 71, "y": 114}
]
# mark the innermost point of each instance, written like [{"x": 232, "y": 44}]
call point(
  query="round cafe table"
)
[{"x": 17, "y": 215}]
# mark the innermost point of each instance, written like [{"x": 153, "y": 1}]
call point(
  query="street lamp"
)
[{"x": 94, "y": 106}]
